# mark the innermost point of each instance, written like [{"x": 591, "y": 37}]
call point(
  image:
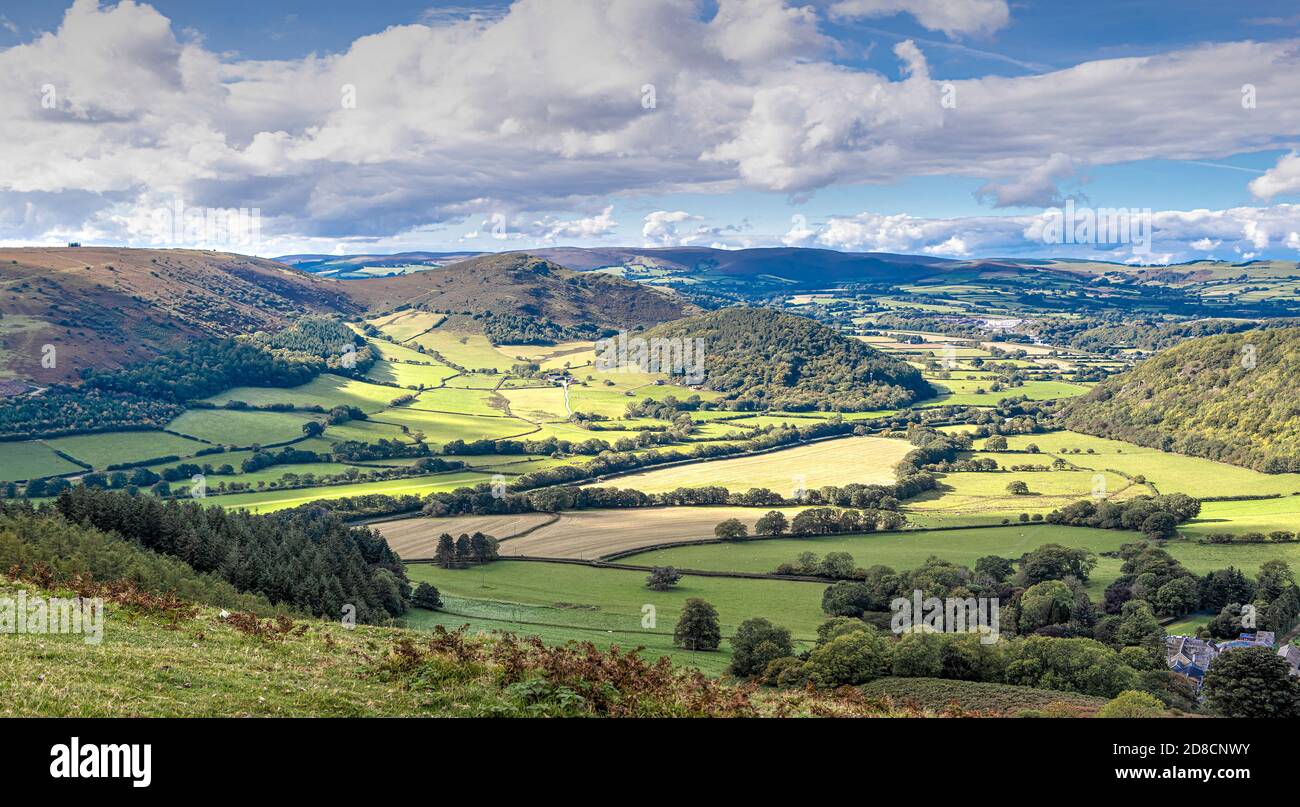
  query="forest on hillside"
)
[
  {"x": 1229, "y": 398},
  {"x": 764, "y": 359}
]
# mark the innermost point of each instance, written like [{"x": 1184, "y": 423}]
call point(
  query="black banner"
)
[{"x": 142, "y": 758}]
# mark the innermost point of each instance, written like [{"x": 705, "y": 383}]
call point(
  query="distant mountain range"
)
[
  {"x": 753, "y": 273},
  {"x": 778, "y": 267},
  {"x": 65, "y": 310}
]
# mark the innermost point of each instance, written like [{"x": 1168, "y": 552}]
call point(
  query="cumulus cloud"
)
[
  {"x": 1039, "y": 186},
  {"x": 1177, "y": 235},
  {"x": 660, "y": 228},
  {"x": 539, "y": 111},
  {"x": 953, "y": 17},
  {"x": 1281, "y": 178}
]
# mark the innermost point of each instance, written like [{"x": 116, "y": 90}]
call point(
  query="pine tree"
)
[{"x": 445, "y": 554}]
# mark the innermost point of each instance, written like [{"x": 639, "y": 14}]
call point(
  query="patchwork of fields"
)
[{"x": 435, "y": 383}]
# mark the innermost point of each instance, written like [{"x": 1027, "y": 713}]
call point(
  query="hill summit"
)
[{"x": 765, "y": 359}]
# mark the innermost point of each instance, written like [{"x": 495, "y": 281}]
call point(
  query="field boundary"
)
[{"x": 604, "y": 564}]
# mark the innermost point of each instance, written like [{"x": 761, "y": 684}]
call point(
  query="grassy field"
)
[
  {"x": 539, "y": 403},
  {"x": 276, "y": 473},
  {"x": 150, "y": 666},
  {"x": 364, "y": 431},
  {"x": 31, "y": 459},
  {"x": 1171, "y": 473},
  {"x": 1260, "y": 515},
  {"x": 1187, "y": 625},
  {"x": 461, "y": 401},
  {"x": 612, "y": 599},
  {"x": 326, "y": 391},
  {"x": 469, "y": 350},
  {"x": 240, "y": 428},
  {"x": 982, "y": 497},
  {"x": 404, "y": 325},
  {"x": 654, "y": 644},
  {"x": 831, "y": 462},
  {"x": 410, "y": 375},
  {"x": 110, "y": 448},
  {"x": 147, "y": 666},
  {"x": 962, "y": 392},
  {"x": 442, "y": 427},
  {"x": 398, "y": 353},
  {"x": 268, "y": 501},
  {"x": 1202, "y": 558},
  {"x": 899, "y": 550}
]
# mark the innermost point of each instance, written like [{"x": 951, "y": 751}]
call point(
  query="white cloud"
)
[
  {"x": 1281, "y": 178},
  {"x": 660, "y": 228},
  {"x": 1255, "y": 233},
  {"x": 539, "y": 113},
  {"x": 1039, "y": 186},
  {"x": 953, "y": 17},
  {"x": 1177, "y": 235},
  {"x": 753, "y": 30}
]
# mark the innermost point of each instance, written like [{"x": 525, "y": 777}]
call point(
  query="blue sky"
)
[{"x": 493, "y": 126}]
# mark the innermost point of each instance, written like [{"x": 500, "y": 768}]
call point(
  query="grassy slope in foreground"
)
[
  {"x": 202, "y": 666},
  {"x": 1005, "y": 699}
]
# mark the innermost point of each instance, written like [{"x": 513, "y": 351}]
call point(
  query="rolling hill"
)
[
  {"x": 782, "y": 361},
  {"x": 1229, "y": 397},
  {"x": 104, "y": 308},
  {"x": 354, "y": 267},
  {"x": 107, "y": 307},
  {"x": 522, "y": 284}
]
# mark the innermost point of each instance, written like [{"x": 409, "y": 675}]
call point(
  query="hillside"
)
[
  {"x": 352, "y": 267},
  {"x": 788, "y": 266},
  {"x": 782, "y": 361},
  {"x": 103, "y": 308},
  {"x": 524, "y": 285},
  {"x": 1229, "y": 397}
]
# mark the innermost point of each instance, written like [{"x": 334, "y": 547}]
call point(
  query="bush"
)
[
  {"x": 662, "y": 578},
  {"x": 852, "y": 658},
  {"x": 1132, "y": 703},
  {"x": 733, "y": 529},
  {"x": 757, "y": 644},
  {"x": 426, "y": 596}
]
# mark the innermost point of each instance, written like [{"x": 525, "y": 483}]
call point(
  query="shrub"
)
[
  {"x": 662, "y": 578},
  {"x": 757, "y": 644},
  {"x": 426, "y": 596}
]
